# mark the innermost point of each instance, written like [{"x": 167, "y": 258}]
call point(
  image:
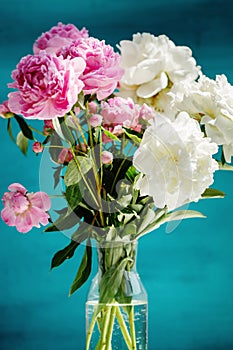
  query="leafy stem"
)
[{"x": 96, "y": 175}]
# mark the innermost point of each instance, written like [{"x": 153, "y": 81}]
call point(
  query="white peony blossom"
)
[
  {"x": 176, "y": 160},
  {"x": 211, "y": 102},
  {"x": 152, "y": 63}
]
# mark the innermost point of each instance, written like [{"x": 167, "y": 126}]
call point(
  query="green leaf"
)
[
  {"x": 111, "y": 281},
  {"x": 130, "y": 230},
  {"x": 24, "y": 127},
  {"x": 110, "y": 135},
  {"x": 183, "y": 214},
  {"x": 64, "y": 222},
  {"x": 162, "y": 218},
  {"x": 225, "y": 166},
  {"x": 147, "y": 217},
  {"x": 56, "y": 148},
  {"x": 213, "y": 193},
  {"x": 56, "y": 175},
  {"x": 131, "y": 173},
  {"x": 68, "y": 251},
  {"x": 112, "y": 175},
  {"x": 73, "y": 196},
  {"x": 9, "y": 130},
  {"x": 84, "y": 269},
  {"x": 22, "y": 142},
  {"x": 63, "y": 254},
  {"x": 133, "y": 137},
  {"x": 77, "y": 168}
]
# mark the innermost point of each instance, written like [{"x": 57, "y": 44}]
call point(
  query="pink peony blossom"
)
[
  {"x": 4, "y": 110},
  {"x": 47, "y": 86},
  {"x": 57, "y": 37},
  {"x": 102, "y": 71},
  {"x": 119, "y": 112},
  {"x": 25, "y": 210},
  {"x": 106, "y": 157},
  {"x": 37, "y": 147},
  {"x": 65, "y": 156}
]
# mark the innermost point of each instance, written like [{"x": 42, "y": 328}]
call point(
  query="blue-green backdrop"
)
[{"x": 188, "y": 274}]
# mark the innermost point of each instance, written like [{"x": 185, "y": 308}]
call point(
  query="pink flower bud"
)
[
  {"x": 49, "y": 124},
  {"x": 48, "y": 127},
  {"x": 81, "y": 148},
  {"x": 95, "y": 120},
  {"x": 37, "y": 147},
  {"x": 92, "y": 107},
  {"x": 106, "y": 157},
  {"x": 65, "y": 156}
]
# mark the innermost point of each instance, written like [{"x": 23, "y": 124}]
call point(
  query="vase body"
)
[{"x": 116, "y": 308}]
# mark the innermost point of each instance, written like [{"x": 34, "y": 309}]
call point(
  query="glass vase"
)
[{"x": 116, "y": 307}]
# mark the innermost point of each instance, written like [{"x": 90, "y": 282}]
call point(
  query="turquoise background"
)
[{"x": 188, "y": 273}]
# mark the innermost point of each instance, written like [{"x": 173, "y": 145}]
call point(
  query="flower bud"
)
[
  {"x": 65, "y": 156},
  {"x": 92, "y": 107},
  {"x": 48, "y": 127},
  {"x": 95, "y": 120},
  {"x": 106, "y": 157},
  {"x": 37, "y": 147}
]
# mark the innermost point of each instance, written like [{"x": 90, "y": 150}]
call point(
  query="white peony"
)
[
  {"x": 152, "y": 64},
  {"x": 176, "y": 160},
  {"x": 211, "y": 102}
]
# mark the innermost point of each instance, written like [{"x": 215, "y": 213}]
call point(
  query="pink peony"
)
[
  {"x": 57, "y": 37},
  {"x": 102, "y": 71},
  {"x": 65, "y": 156},
  {"x": 119, "y": 112},
  {"x": 47, "y": 86},
  {"x": 25, "y": 210}
]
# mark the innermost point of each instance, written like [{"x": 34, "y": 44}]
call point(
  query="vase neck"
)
[{"x": 112, "y": 254}]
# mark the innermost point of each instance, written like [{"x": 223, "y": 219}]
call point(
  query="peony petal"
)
[
  {"x": 16, "y": 187},
  {"x": 153, "y": 87},
  {"x": 146, "y": 71},
  {"x": 14, "y": 101},
  {"x": 78, "y": 65},
  {"x": 38, "y": 216},
  {"x": 228, "y": 152},
  {"x": 40, "y": 200},
  {"x": 23, "y": 223},
  {"x": 129, "y": 52},
  {"x": 8, "y": 216}
]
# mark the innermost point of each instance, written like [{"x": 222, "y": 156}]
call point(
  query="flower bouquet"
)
[{"x": 134, "y": 137}]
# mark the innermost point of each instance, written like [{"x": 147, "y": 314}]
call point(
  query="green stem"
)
[
  {"x": 36, "y": 130},
  {"x": 123, "y": 327},
  {"x": 110, "y": 328},
  {"x": 104, "y": 331},
  {"x": 97, "y": 179},
  {"x": 120, "y": 167},
  {"x": 53, "y": 146},
  {"x": 83, "y": 177},
  {"x": 91, "y": 328},
  {"x": 132, "y": 328},
  {"x": 79, "y": 128}
]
